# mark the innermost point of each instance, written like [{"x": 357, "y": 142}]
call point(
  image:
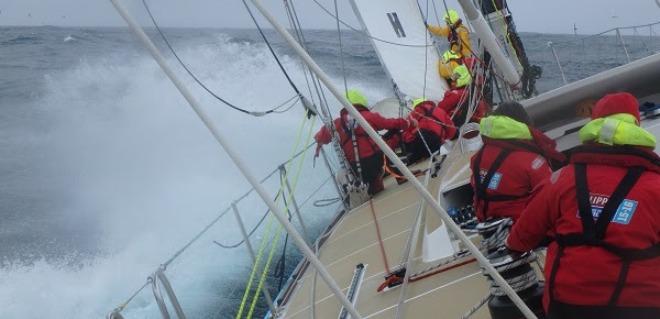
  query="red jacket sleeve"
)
[
  {"x": 323, "y": 136},
  {"x": 450, "y": 100},
  {"x": 378, "y": 122},
  {"x": 537, "y": 219}
]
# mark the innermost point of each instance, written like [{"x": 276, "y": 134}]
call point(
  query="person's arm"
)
[
  {"x": 382, "y": 123},
  {"x": 536, "y": 220},
  {"x": 449, "y": 101},
  {"x": 323, "y": 136},
  {"x": 441, "y": 31}
]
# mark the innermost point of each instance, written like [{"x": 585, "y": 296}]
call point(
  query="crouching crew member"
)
[
  {"x": 356, "y": 144},
  {"x": 602, "y": 210},
  {"x": 433, "y": 129},
  {"x": 513, "y": 160}
]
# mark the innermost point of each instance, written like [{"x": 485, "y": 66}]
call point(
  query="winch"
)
[{"x": 515, "y": 268}]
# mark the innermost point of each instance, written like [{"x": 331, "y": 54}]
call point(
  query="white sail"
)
[{"x": 403, "y": 45}]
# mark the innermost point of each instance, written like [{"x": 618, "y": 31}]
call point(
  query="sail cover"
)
[{"x": 403, "y": 45}]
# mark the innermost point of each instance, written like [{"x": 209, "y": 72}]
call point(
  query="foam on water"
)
[{"x": 139, "y": 175}]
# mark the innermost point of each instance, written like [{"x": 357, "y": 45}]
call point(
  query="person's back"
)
[
  {"x": 510, "y": 164},
  {"x": 601, "y": 210}
]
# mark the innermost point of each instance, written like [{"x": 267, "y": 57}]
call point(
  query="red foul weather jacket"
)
[
  {"x": 366, "y": 146},
  {"x": 508, "y": 171},
  {"x": 589, "y": 272},
  {"x": 453, "y": 98},
  {"x": 432, "y": 119}
]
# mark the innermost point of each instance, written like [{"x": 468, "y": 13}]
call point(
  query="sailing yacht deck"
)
[{"x": 354, "y": 240}]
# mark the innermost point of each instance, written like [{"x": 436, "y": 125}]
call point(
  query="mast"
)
[
  {"x": 489, "y": 40},
  {"x": 426, "y": 196}
]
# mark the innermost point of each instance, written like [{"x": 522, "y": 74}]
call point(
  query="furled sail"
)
[{"x": 403, "y": 45}]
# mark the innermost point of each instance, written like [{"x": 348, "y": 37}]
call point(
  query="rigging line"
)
[
  {"x": 196, "y": 79},
  {"x": 435, "y": 10},
  {"x": 262, "y": 277},
  {"x": 341, "y": 48},
  {"x": 270, "y": 48},
  {"x": 254, "y": 229},
  {"x": 303, "y": 41},
  {"x": 302, "y": 65},
  {"x": 260, "y": 252},
  {"x": 362, "y": 32}
]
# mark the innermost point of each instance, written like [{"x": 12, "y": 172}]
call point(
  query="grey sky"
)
[{"x": 551, "y": 16}]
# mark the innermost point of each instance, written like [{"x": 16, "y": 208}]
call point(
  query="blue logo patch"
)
[
  {"x": 494, "y": 182},
  {"x": 624, "y": 213}
]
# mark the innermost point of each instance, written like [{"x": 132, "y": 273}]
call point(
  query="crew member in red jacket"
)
[
  {"x": 513, "y": 160},
  {"x": 433, "y": 129},
  {"x": 352, "y": 137},
  {"x": 602, "y": 210},
  {"x": 455, "y": 100}
]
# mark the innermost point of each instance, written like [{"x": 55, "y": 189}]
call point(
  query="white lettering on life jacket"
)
[
  {"x": 624, "y": 213},
  {"x": 538, "y": 162}
]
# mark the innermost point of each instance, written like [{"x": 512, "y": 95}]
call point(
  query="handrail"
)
[
  {"x": 157, "y": 277},
  {"x": 582, "y": 38},
  {"x": 116, "y": 313},
  {"x": 617, "y": 33}
]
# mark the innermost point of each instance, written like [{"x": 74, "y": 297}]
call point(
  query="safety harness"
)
[
  {"x": 481, "y": 185},
  {"x": 454, "y": 38},
  {"x": 593, "y": 232}
]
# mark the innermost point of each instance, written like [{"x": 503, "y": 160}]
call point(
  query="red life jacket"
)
[
  {"x": 366, "y": 146},
  {"x": 430, "y": 118},
  {"x": 608, "y": 263},
  {"x": 504, "y": 173}
]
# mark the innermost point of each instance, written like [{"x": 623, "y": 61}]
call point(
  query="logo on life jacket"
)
[
  {"x": 624, "y": 213},
  {"x": 494, "y": 182}
]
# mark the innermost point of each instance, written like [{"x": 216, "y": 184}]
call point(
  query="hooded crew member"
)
[
  {"x": 370, "y": 156},
  {"x": 457, "y": 34},
  {"x": 434, "y": 126},
  {"x": 455, "y": 99},
  {"x": 513, "y": 160},
  {"x": 602, "y": 211}
]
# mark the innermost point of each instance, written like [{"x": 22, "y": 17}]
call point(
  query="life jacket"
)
[
  {"x": 346, "y": 130},
  {"x": 482, "y": 184},
  {"x": 594, "y": 232},
  {"x": 430, "y": 118},
  {"x": 454, "y": 38}
]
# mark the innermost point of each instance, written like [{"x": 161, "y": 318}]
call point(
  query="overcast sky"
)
[{"x": 551, "y": 16}]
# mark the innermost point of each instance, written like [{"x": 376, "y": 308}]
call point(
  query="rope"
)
[
  {"x": 273, "y": 246},
  {"x": 380, "y": 238},
  {"x": 201, "y": 84},
  {"x": 270, "y": 48},
  {"x": 262, "y": 278},
  {"x": 262, "y": 247},
  {"x": 326, "y": 202}
]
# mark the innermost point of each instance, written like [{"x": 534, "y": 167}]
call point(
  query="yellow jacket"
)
[{"x": 460, "y": 41}]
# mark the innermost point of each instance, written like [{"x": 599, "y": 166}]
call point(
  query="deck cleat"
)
[{"x": 393, "y": 280}]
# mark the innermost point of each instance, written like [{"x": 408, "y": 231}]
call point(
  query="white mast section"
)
[
  {"x": 396, "y": 160},
  {"x": 238, "y": 161},
  {"x": 485, "y": 34}
]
